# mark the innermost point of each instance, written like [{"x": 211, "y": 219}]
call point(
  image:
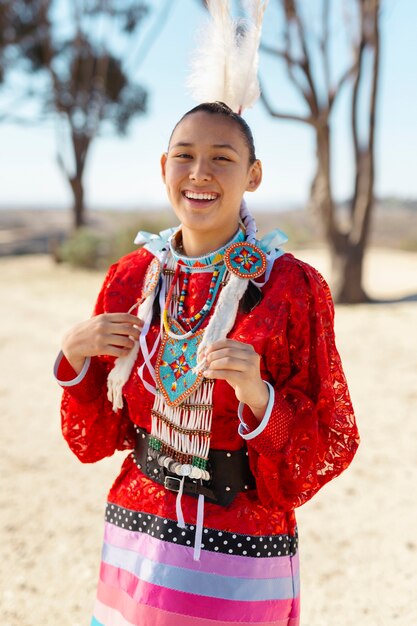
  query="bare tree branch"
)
[
  {"x": 324, "y": 47},
  {"x": 283, "y": 54},
  {"x": 291, "y": 63},
  {"x": 334, "y": 91},
  {"x": 290, "y": 66},
  {"x": 375, "y": 74},
  {"x": 354, "y": 110},
  {"x": 61, "y": 164},
  {"x": 312, "y": 100},
  {"x": 153, "y": 34},
  {"x": 15, "y": 119},
  {"x": 284, "y": 116},
  {"x": 362, "y": 213}
]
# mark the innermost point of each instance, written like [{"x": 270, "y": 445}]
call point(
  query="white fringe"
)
[
  {"x": 185, "y": 417},
  {"x": 123, "y": 365}
]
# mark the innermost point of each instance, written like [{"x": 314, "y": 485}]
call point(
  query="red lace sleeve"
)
[
  {"x": 311, "y": 436},
  {"x": 89, "y": 425}
]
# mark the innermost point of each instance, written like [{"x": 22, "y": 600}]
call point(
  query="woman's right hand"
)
[{"x": 112, "y": 334}]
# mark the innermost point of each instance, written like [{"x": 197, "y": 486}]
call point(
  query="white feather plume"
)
[
  {"x": 209, "y": 79},
  {"x": 225, "y": 65},
  {"x": 246, "y": 74}
]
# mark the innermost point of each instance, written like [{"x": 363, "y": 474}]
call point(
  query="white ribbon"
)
[
  {"x": 178, "y": 507},
  {"x": 155, "y": 243},
  {"x": 199, "y": 528}
]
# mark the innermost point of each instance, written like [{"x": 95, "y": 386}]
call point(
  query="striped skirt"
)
[{"x": 148, "y": 576}]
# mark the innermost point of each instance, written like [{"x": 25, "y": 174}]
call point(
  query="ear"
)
[
  {"x": 163, "y": 165},
  {"x": 254, "y": 176}
]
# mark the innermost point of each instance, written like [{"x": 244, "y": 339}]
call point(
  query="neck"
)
[{"x": 198, "y": 244}]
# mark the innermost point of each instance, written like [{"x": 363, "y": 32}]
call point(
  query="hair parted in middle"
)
[{"x": 220, "y": 108}]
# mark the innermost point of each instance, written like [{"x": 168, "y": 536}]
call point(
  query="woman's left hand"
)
[{"x": 239, "y": 365}]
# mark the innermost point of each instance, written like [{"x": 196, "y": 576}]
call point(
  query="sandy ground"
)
[{"x": 358, "y": 536}]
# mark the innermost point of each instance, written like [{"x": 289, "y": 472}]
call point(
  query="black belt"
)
[{"x": 229, "y": 472}]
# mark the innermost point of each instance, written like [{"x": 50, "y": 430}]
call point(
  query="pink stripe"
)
[
  {"x": 107, "y": 615},
  {"x": 211, "y": 562},
  {"x": 192, "y": 604},
  {"x": 295, "y": 611},
  {"x": 134, "y": 613}
]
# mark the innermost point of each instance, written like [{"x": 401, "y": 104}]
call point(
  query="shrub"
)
[
  {"x": 94, "y": 249},
  {"x": 84, "y": 248},
  {"x": 122, "y": 240}
]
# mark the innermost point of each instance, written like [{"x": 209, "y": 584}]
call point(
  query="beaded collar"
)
[{"x": 207, "y": 260}]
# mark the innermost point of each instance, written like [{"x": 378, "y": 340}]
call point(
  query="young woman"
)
[{"x": 229, "y": 390}]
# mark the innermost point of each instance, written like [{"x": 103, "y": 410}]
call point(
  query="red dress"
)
[{"x": 310, "y": 438}]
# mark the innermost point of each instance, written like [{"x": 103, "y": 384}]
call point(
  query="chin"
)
[{"x": 198, "y": 222}]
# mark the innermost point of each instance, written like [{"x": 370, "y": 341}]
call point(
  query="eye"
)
[
  {"x": 222, "y": 158},
  {"x": 183, "y": 155}
]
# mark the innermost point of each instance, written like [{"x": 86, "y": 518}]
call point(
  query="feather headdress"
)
[{"x": 225, "y": 66}]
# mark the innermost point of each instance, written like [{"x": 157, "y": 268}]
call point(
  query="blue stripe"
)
[
  {"x": 95, "y": 622},
  {"x": 201, "y": 583}
]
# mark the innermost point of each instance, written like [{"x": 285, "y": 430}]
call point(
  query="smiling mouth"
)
[{"x": 206, "y": 196}]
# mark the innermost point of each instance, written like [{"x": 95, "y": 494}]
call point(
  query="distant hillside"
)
[
  {"x": 394, "y": 224},
  {"x": 392, "y": 203},
  {"x": 24, "y": 231}
]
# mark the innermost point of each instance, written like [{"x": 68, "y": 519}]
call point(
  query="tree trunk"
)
[
  {"x": 78, "y": 204},
  {"x": 322, "y": 197},
  {"x": 81, "y": 143},
  {"x": 347, "y": 273},
  {"x": 346, "y": 256}
]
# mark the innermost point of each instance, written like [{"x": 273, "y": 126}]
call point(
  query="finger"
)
[
  {"x": 105, "y": 326},
  {"x": 123, "y": 318},
  {"x": 228, "y": 343},
  {"x": 121, "y": 341},
  {"x": 102, "y": 344},
  {"x": 115, "y": 351},
  {"x": 222, "y": 353},
  {"x": 133, "y": 320},
  {"x": 124, "y": 329},
  {"x": 230, "y": 363},
  {"x": 229, "y": 376}
]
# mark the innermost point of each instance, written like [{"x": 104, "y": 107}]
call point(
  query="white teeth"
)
[{"x": 200, "y": 196}]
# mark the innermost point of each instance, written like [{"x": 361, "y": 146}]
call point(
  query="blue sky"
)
[{"x": 124, "y": 173}]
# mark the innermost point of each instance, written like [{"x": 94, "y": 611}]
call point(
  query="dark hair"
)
[{"x": 220, "y": 108}]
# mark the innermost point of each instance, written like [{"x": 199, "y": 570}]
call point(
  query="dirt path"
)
[{"x": 358, "y": 544}]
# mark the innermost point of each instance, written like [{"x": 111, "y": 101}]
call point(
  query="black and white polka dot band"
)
[{"x": 213, "y": 540}]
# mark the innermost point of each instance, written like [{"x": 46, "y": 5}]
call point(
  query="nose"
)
[{"x": 200, "y": 171}]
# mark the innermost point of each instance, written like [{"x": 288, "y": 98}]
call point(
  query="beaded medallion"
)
[
  {"x": 175, "y": 365},
  {"x": 245, "y": 260}
]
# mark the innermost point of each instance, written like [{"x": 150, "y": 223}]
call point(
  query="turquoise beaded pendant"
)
[{"x": 175, "y": 364}]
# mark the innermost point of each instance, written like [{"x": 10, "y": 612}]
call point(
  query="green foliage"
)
[
  {"x": 409, "y": 243},
  {"x": 84, "y": 248},
  {"x": 122, "y": 240},
  {"x": 90, "y": 249}
]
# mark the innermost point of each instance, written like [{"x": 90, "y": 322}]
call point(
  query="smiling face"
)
[{"x": 206, "y": 172}]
